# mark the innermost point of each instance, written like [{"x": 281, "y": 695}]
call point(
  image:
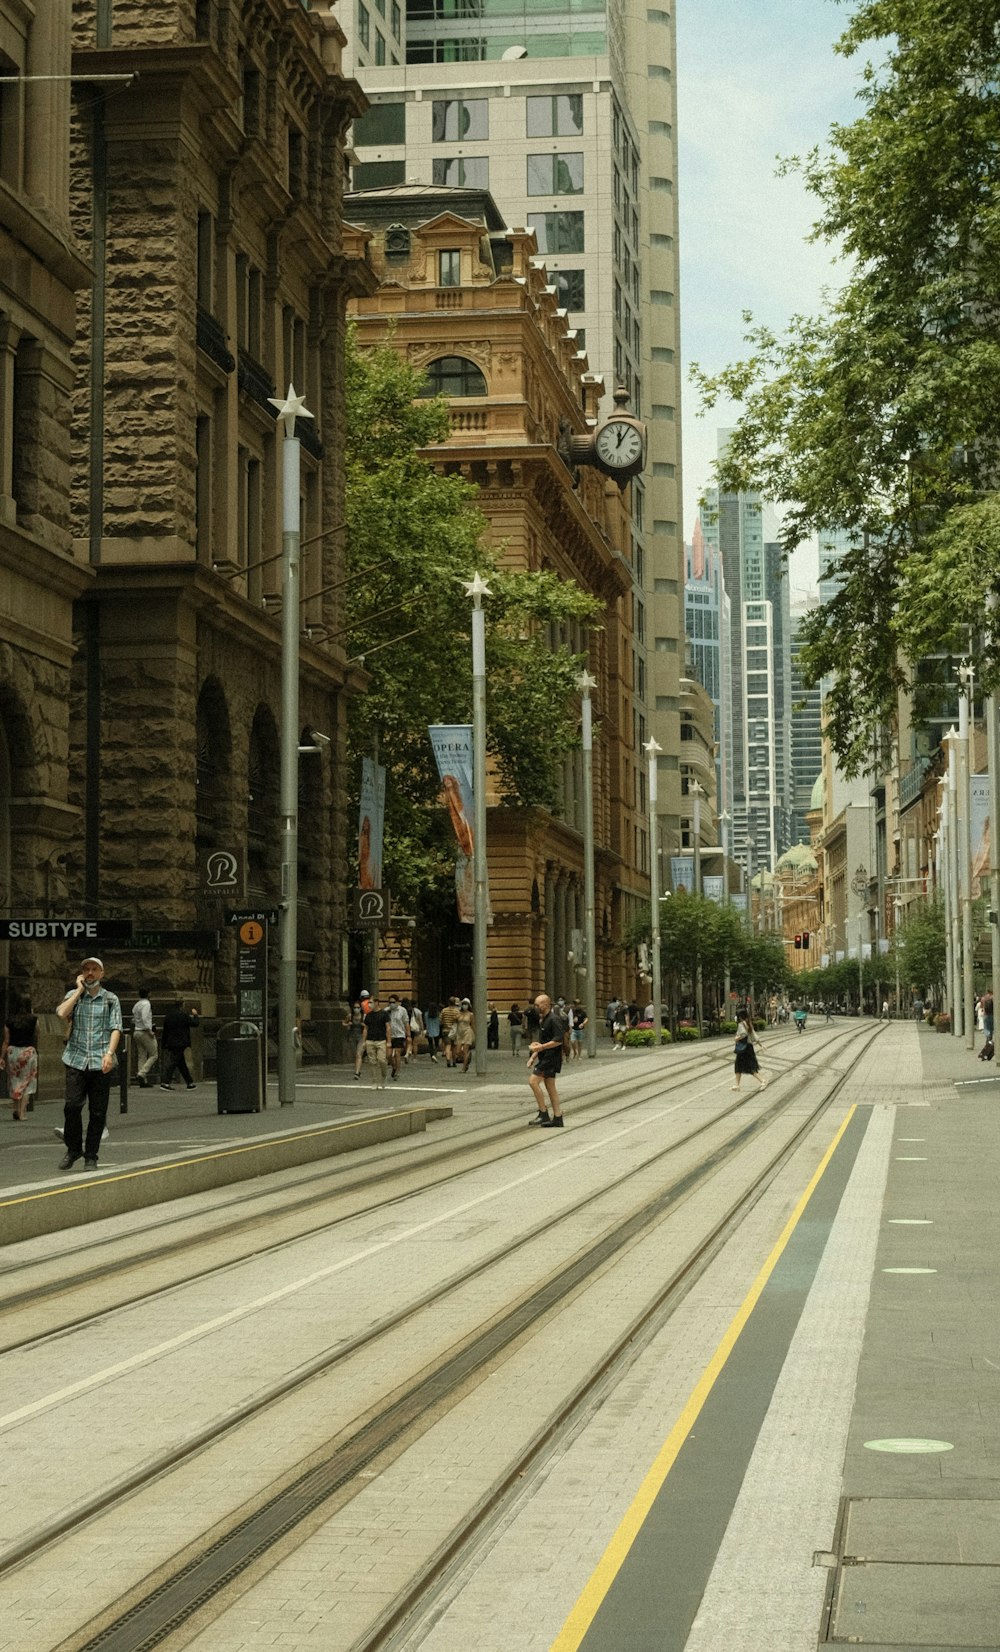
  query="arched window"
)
[{"x": 453, "y": 376}]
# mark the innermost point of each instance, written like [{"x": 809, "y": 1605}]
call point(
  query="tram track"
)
[
  {"x": 457, "y": 1157},
  {"x": 148, "y": 1621}
]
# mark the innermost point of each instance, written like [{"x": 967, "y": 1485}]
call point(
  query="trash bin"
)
[{"x": 238, "y": 1067}]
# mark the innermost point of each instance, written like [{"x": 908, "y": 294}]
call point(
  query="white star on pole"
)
[
  {"x": 652, "y": 748},
  {"x": 291, "y": 408},
  {"x": 585, "y": 682},
  {"x": 476, "y": 587}
]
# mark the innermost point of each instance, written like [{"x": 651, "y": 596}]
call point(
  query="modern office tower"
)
[
  {"x": 707, "y": 627},
  {"x": 760, "y": 681},
  {"x": 833, "y": 545},
  {"x": 565, "y": 112},
  {"x": 807, "y": 739}
]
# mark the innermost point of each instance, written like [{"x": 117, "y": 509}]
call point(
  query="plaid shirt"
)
[{"x": 94, "y": 1020}]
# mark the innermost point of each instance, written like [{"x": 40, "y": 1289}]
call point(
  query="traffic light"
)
[
  {"x": 805, "y": 940},
  {"x": 798, "y": 943}
]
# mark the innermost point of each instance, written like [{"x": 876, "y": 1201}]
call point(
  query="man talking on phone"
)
[{"x": 89, "y": 1058}]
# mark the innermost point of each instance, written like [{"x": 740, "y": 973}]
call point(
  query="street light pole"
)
[
  {"x": 696, "y": 792},
  {"x": 652, "y": 748},
  {"x": 897, "y": 907},
  {"x": 965, "y": 673},
  {"x": 724, "y": 819},
  {"x": 585, "y": 682},
  {"x": 289, "y": 409},
  {"x": 957, "y": 996},
  {"x": 477, "y": 588},
  {"x": 859, "y": 884}
]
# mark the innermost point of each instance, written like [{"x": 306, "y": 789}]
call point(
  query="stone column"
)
[{"x": 549, "y": 984}]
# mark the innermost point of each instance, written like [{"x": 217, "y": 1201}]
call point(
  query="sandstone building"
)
[
  {"x": 205, "y": 201},
  {"x": 468, "y": 302}
]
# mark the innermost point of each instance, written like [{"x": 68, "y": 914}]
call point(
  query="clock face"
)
[{"x": 619, "y": 444}]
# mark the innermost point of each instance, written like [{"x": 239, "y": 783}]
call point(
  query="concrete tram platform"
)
[{"x": 833, "y": 1476}]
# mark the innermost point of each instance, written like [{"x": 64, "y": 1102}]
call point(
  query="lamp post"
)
[
  {"x": 724, "y": 820},
  {"x": 951, "y": 794},
  {"x": 859, "y": 884},
  {"x": 697, "y": 792},
  {"x": 477, "y": 588},
  {"x": 993, "y": 764},
  {"x": 897, "y": 908},
  {"x": 585, "y": 682},
  {"x": 289, "y": 409},
  {"x": 652, "y": 748},
  {"x": 965, "y": 676}
]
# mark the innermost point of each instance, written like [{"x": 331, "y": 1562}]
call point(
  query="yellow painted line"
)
[
  {"x": 76, "y": 1186},
  {"x": 584, "y": 1612}
]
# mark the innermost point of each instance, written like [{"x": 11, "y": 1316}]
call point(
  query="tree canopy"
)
[
  {"x": 414, "y": 534},
  {"x": 881, "y": 416}
]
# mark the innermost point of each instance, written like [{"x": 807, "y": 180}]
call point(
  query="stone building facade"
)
[
  {"x": 205, "y": 187},
  {"x": 42, "y": 270},
  {"x": 467, "y": 301}
]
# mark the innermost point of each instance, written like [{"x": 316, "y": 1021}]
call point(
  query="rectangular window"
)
[
  {"x": 378, "y": 174},
  {"x": 660, "y": 411},
  {"x": 463, "y": 172},
  {"x": 658, "y": 295},
  {"x": 454, "y": 120},
  {"x": 571, "y": 287},
  {"x": 660, "y": 129},
  {"x": 364, "y": 27},
  {"x": 555, "y": 117},
  {"x": 450, "y": 268},
  {"x": 557, "y": 231},
  {"x": 658, "y": 71},
  {"x": 396, "y": 19},
  {"x": 206, "y": 251},
  {"x": 663, "y": 243},
  {"x": 555, "y": 174},
  {"x": 664, "y": 185},
  {"x": 661, "y": 353},
  {"x": 381, "y": 124},
  {"x": 379, "y": 47}
]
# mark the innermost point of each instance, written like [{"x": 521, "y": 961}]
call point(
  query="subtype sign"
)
[{"x": 65, "y": 929}]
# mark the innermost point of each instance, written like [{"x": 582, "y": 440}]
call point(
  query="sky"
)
[{"x": 756, "y": 79}]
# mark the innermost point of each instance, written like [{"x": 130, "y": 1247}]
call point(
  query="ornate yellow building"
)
[{"x": 467, "y": 302}]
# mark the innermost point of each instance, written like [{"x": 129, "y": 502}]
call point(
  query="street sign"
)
[
  {"x": 261, "y": 915},
  {"x": 371, "y": 908},
  {"x": 65, "y": 929},
  {"x": 190, "y": 940},
  {"x": 222, "y": 873}
]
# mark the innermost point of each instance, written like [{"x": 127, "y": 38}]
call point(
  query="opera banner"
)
[
  {"x": 712, "y": 888},
  {"x": 452, "y": 743},
  {"x": 371, "y": 824},
  {"x": 979, "y": 833}
]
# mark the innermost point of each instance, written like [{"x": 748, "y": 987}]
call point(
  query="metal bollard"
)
[{"x": 123, "y": 1051}]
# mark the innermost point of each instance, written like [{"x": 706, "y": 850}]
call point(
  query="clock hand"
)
[{"x": 621, "y": 436}]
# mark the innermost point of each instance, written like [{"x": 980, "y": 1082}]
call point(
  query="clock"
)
[{"x": 619, "y": 445}]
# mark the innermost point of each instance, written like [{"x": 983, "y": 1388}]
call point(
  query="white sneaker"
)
[{"x": 57, "y": 1131}]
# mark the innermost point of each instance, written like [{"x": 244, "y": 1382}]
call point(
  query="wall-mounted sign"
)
[{"x": 222, "y": 873}]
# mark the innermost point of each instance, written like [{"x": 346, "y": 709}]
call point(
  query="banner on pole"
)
[
  {"x": 452, "y": 743},
  {"x": 979, "y": 831},
  {"x": 712, "y": 888},
  {"x": 371, "y": 824},
  {"x": 682, "y": 873}
]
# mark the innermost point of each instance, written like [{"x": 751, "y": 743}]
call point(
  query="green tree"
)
[
  {"x": 881, "y": 416},
  {"x": 414, "y": 534},
  {"x": 920, "y": 946}
]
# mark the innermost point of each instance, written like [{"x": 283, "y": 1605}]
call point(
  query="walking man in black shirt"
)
[{"x": 545, "y": 1064}]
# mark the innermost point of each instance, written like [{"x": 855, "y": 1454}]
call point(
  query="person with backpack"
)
[
  {"x": 515, "y": 1021},
  {"x": 545, "y": 1064}
]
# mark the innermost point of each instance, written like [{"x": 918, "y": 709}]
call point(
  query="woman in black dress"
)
[{"x": 746, "y": 1052}]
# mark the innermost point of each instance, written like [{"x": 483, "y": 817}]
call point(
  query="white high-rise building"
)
[{"x": 565, "y": 112}]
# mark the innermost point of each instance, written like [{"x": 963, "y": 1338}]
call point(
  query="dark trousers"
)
[
  {"x": 94, "y": 1087},
  {"x": 172, "y": 1061}
]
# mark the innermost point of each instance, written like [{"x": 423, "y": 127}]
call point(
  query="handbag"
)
[{"x": 741, "y": 1044}]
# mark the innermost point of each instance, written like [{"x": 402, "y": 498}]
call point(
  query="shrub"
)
[
  {"x": 727, "y": 1027},
  {"x": 642, "y": 1038},
  {"x": 943, "y": 1023},
  {"x": 686, "y": 1033}
]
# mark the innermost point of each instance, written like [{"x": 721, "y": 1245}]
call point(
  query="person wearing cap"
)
[
  {"x": 465, "y": 1034},
  {"x": 354, "y": 1025},
  {"x": 95, "y": 1017}
]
